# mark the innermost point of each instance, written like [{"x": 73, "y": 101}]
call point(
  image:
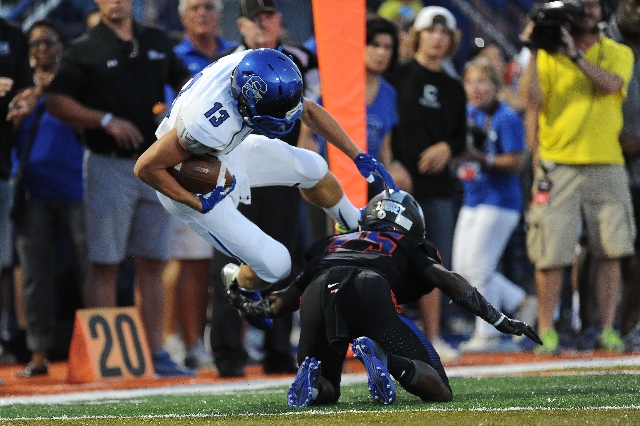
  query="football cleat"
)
[
  {"x": 610, "y": 340},
  {"x": 164, "y": 366},
  {"x": 301, "y": 393},
  {"x": 374, "y": 359},
  {"x": 229, "y": 273},
  {"x": 551, "y": 345}
]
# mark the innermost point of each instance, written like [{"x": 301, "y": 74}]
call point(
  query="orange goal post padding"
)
[{"x": 340, "y": 40}]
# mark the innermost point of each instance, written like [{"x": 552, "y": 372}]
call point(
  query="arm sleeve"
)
[
  {"x": 423, "y": 259},
  {"x": 188, "y": 141},
  {"x": 275, "y": 305},
  {"x": 475, "y": 303}
]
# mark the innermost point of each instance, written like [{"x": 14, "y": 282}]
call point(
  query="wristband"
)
[
  {"x": 497, "y": 323},
  {"x": 490, "y": 159},
  {"x": 577, "y": 57},
  {"x": 106, "y": 119}
]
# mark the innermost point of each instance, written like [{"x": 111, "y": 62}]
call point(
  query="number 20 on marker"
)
[{"x": 108, "y": 343}]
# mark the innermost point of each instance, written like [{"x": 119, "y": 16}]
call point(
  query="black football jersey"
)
[{"x": 400, "y": 258}]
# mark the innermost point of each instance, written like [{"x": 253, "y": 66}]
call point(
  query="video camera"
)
[{"x": 549, "y": 19}]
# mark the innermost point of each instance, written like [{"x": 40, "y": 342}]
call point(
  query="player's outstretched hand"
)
[
  {"x": 210, "y": 200},
  {"x": 369, "y": 167},
  {"x": 246, "y": 306},
  {"x": 511, "y": 326}
]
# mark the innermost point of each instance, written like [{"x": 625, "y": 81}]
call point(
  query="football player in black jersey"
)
[{"x": 351, "y": 290}]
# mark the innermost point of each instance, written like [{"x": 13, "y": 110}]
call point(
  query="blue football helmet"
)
[
  {"x": 395, "y": 211},
  {"x": 267, "y": 86}
]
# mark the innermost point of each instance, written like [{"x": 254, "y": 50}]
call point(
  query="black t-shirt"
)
[
  {"x": 306, "y": 61},
  {"x": 14, "y": 64},
  {"x": 104, "y": 72},
  {"x": 431, "y": 108},
  {"x": 401, "y": 259}
]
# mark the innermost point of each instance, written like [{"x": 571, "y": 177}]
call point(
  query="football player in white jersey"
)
[{"x": 215, "y": 112}]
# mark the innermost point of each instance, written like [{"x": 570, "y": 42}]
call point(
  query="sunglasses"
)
[{"x": 47, "y": 42}]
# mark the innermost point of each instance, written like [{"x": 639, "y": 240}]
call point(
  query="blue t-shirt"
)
[
  {"x": 54, "y": 167},
  {"x": 505, "y": 135},
  {"x": 194, "y": 60},
  {"x": 382, "y": 116},
  {"x": 310, "y": 44}
]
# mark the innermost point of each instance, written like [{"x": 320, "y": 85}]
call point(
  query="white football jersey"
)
[{"x": 210, "y": 123}]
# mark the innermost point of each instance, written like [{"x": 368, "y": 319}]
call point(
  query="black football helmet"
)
[{"x": 393, "y": 211}]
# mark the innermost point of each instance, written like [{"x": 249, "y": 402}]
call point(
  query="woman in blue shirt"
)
[
  {"x": 381, "y": 54},
  {"x": 53, "y": 182},
  {"x": 492, "y": 197}
]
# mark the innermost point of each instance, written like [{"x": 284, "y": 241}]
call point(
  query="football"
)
[{"x": 200, "y": 174}]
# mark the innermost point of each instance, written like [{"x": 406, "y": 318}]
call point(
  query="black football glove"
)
[
  {"x": 245, "y": 305},
  {"x": 510, "y": 326},
  {"x": 235, "y": 296}
]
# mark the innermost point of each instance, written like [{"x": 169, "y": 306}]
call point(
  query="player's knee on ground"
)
[
  {"x": 326, "y": 393},
  {"x": 428, "y": 385},
  {"x": 310, "y": 166}
]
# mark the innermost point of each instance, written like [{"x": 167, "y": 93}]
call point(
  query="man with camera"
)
[{"x": 573, "y": 95}]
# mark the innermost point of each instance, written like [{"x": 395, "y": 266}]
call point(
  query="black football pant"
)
[{"x": 343, "y": 303}]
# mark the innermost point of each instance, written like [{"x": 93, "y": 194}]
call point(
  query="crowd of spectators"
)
[{"x": 462, "y": 140}]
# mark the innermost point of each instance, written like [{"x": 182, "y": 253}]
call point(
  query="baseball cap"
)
[
  {"x": 250, "y": 8},
  {"x": 432, "y": 15}
]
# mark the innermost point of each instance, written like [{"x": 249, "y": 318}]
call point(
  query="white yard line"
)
[
  {"x": 309, "y": 412},
  {"x": 501, "y": 370},
  {"x": 347, "y": 379}
]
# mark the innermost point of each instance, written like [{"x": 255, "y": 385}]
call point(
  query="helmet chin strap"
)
[{"x": 243, "y": 110}]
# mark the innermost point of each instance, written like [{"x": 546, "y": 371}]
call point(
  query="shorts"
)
[
  {"x": 186, "y": 244},
  {"x": 123, "y": 215},
  {"x": 596, "y": 194},
  {"x": 257, "y": 161}
]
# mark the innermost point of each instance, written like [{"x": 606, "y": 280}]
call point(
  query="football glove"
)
[
  {"x": 210, "y": 200},
  {"x": 507, "y": 325},
  {"x": 369, "y": 167},
  {"x": 246, "y": 306}
]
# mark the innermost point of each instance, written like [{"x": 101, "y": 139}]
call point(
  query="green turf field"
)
[{"x": 598, "y": 399}]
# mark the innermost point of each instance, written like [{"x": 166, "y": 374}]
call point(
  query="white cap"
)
[{"x": 427, "y": 15}]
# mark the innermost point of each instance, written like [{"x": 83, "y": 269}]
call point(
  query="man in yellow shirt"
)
[{"x": 573, "y": 101}]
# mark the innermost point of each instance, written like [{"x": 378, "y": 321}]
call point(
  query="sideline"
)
[
  {"x": 252, "y": 385},
  {"x": 548, "y": 366}
]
